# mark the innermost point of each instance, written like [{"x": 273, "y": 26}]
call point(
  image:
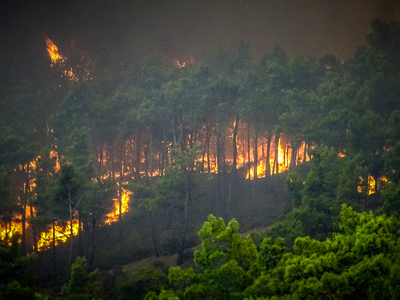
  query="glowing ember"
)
[
  {"x": 180, "y": 65},
  {"x": 370, "y": 187},
  {"x": 54, "y": 154}
]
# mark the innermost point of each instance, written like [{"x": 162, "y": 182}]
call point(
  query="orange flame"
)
[
  {"x": 61, "y": 234},
  {"x": 114, "y": 215},
  {"x": 52, "y": 49},
  {"x": 54, "y": 154},
  {"x": 180, "y": 65},
  {"x": 57, "y": 59}
]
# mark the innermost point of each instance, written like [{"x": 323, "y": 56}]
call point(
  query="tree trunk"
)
[
  {"x": 255, "y": 153},
  {"x": 120, "y": 190},
  {"x": 80, "y": 238},
  {"x": 150, "y": 154},
  {"x": 208, "y": 141},
  {"x": 92, "y": 245},
  {"x": 276, "y": 157},
  {"x": 146, "y": 157},
  {"x": 248, "y": 150},
  {"x": 71, "y": 227},
  {"x": 295, "y": 147},
  {"x": 234, "y": 145},
  {"x": 267, "y": 160},
  {"x": 137, "y": 169},
  {"x": 185, "y": 222},
  {"x": 153, "y": 234},
  {"x": 54, "y": 256},
  {"x": 24, "y": 200},
  {"x": 34, "y": 238},
  {"x": 220, "y": 160}
]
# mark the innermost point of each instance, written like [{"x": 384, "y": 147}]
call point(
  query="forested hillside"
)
[{"x": 118, "y": 166}]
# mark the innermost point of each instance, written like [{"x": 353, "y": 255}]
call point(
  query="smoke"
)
[
  {"x": 123, "y": 31},
  {"x": 386, "y": 9}
]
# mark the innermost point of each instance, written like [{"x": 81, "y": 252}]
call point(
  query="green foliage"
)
[
  {"x": 81, "y": 285},
  {"x": 140, "y": 282},
  {"x": 13, "y": 283},
  {"x": 222, "y": 243},
  {"x": 361, "y": 262}
]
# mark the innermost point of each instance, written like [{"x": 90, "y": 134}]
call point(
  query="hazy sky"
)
[{"x": 129, "y": 30}]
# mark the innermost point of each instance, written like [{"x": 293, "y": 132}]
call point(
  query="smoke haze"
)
[{"x": 116, "y": 32}]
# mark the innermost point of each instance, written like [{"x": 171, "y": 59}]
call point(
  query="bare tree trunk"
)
[
  {"x": 92, "y": 244},
  {"x": 255, "y": 153},
  {"x": 24, "y": 200},
  {"x": 234, "y": 145},
  {"x": 54, "y": 256},
  {"x": 137, "y": 146},
  {"x": 80, "y": 238},
  {"x": 248, "y": 150},
  {"x": 150, "y": 157},
  {"x": 34, "y": 238},
  {"x": 295, "y": 148},
  {"x": 146, "y": 156},
  {"x": 220, "y": 160},
  {"x": 276, "y": 158},
  {"x": 267, "y": 160},
  {"x": 71, "y": 227},
  {"x": 208, "y": 150}
]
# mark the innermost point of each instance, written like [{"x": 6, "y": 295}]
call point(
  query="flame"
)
[
  {"x": 61, "y": 233},
  {"x": 370, "y": 186},
  {"x": 60, "y": 61},
  {"x": 261, "y": 165},
  {"x": 125, "y": 198},
  {"x": 54, "y": 154},
  {"x": 56, "y": 57},
  {"x": 8, "y": 230},
  {"x": 180, "y": 65}
]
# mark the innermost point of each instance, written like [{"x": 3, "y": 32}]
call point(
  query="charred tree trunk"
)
[
  {"x": 34, "y": 238},
  {"x": 92, "y": 244},
  {"x": 137, "y": 148},
  {"x": 80, "y": 238},
  {"x": 276, "y": 157},
  {"x": 54, "y": 252},
  {"x": 234, "y": 145},
  {"x": 208, "y": 149},
  {"x": 248, "y": 151},
  {"x": 220, "y": 160},
  {"x": 71, "y": 227},
  {"x": 24, "y": 200},
  {"x": 255, "y": 153},
  {"x": 150, "y": 154},
  {"x": 295, "y": 148},
  {"x": 146, "y": 157},
  {"x": 267, "y": 160}
]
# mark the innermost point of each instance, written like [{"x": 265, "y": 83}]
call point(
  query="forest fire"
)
[
  {"x": 81, "y": 70},
  {"x": 57, "y": 234},
  {"x": 180, "y": 65},
  {"x": 56, "y": 57},
  {"x": 114, "y": 215}
]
